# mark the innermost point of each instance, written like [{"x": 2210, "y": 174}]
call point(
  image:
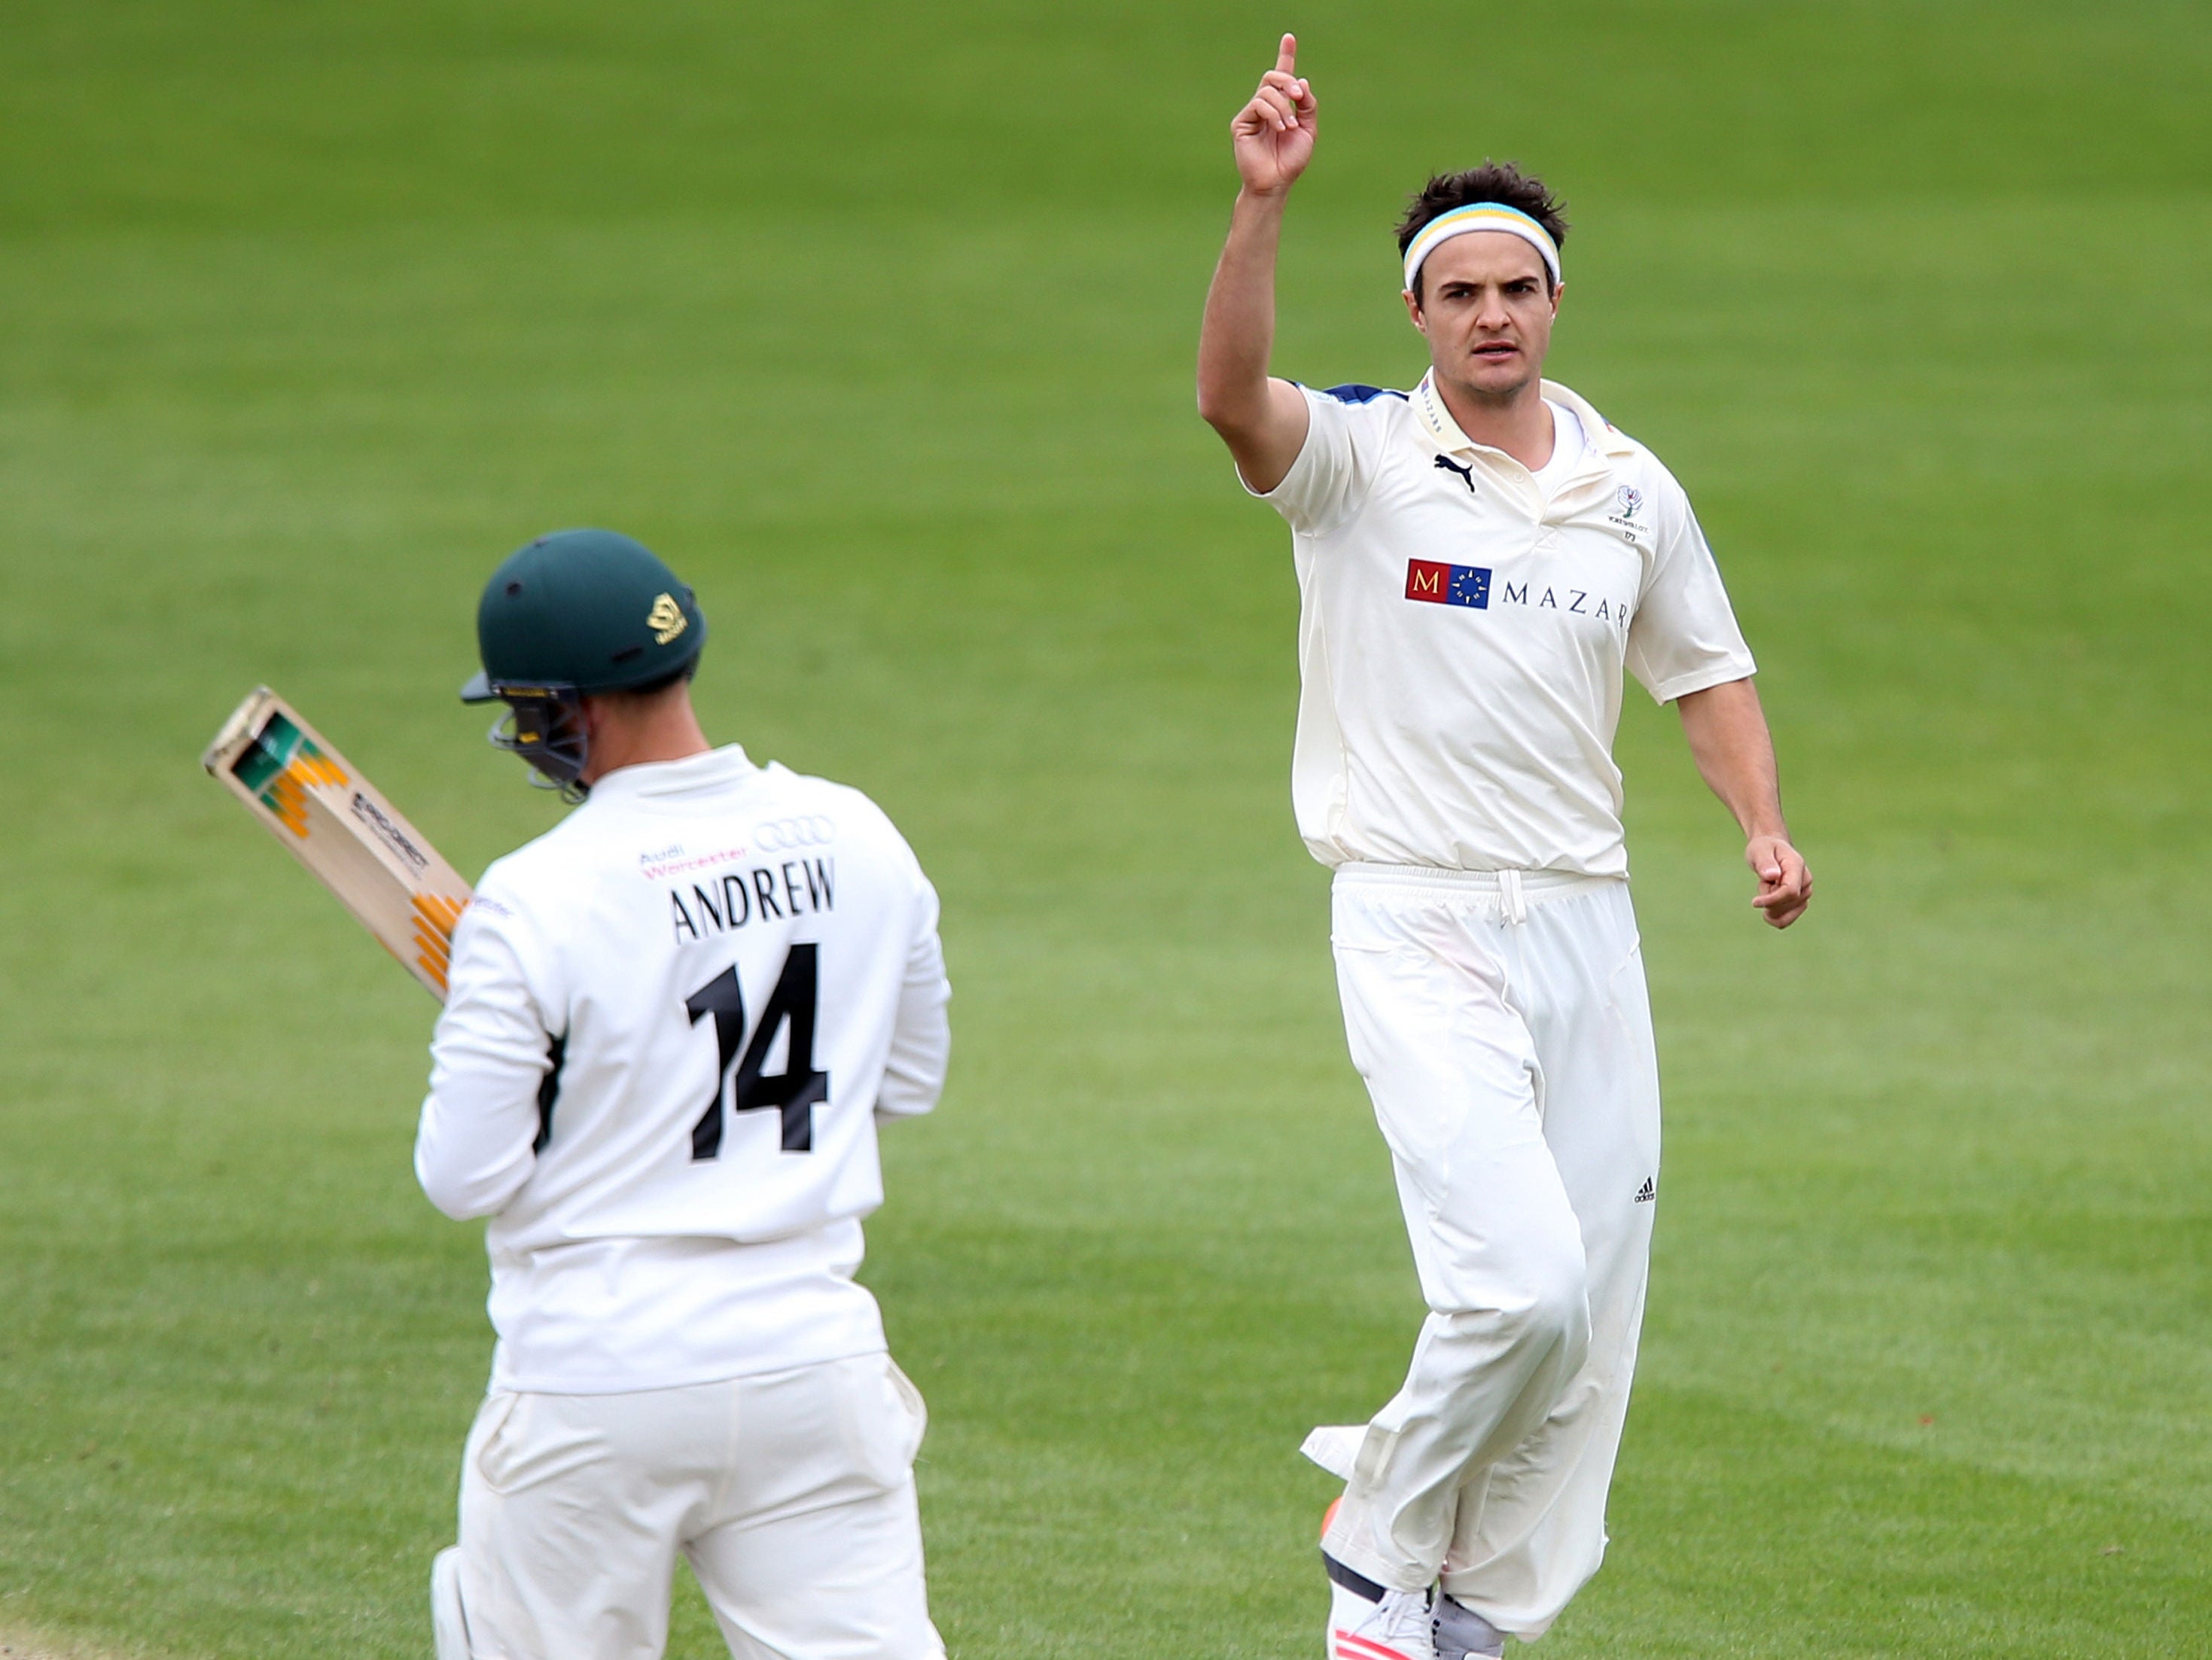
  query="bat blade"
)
[{"x": 336, "y": 823}]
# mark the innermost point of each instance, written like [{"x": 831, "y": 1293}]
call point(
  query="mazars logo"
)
[{"x": 1434, "y": 583}]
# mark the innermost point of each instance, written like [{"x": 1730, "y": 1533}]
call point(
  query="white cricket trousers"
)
[
  {"x": 1501, "y": 1022},
  {"x": 791, "y": 1494}
]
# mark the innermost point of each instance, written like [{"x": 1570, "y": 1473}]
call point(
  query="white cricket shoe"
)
[
  {"x": 1394, "y": 1625},
  {"x": 1462, "y": 1633}
]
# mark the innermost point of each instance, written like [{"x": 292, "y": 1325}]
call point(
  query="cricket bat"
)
[{"x": 353, "y": 841}]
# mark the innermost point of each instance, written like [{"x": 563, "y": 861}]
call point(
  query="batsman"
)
[
  {"x": 1480, "y": 559},
  {"x": 675, "y": 1025}
]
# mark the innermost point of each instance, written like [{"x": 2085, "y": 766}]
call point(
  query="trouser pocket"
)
[{"x": 885, "y": 1418}]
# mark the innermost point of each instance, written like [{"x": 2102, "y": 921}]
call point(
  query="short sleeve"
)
[
  {"x": 1685, "y": 636},
  {"x": 1336, "y": 465}
]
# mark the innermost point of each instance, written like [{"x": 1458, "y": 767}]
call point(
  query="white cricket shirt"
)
[
  {"x": 1463, "y": 630},
  {"x": 1567, "y": 445},
  {"x": 671, "y": 1025}
]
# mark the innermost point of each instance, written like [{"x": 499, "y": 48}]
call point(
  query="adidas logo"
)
[{"x": 1647, "y": 1193}]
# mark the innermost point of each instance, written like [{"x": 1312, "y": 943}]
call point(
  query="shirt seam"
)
[{"x": 1703, "y": 680}]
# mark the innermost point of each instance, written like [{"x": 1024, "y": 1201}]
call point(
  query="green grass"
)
[{"x": 877, "y": 321}]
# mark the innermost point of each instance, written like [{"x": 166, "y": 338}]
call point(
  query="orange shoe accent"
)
[{"x": 1329, "y": 1516}]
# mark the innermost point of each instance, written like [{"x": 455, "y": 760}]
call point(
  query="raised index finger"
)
[{"x": 1286, "y": 55}]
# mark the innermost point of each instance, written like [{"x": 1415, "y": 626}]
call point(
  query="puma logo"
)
[{"x": 1467, "y": 474}]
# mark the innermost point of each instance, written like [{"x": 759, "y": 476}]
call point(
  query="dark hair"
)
[{"x": 1493, "y": 181}]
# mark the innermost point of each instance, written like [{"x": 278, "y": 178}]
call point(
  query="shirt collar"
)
[
  {"x": 712, "y": 770},
  {"x": 1428, "y": 406},
  {"x": 1435, "y": 420}
]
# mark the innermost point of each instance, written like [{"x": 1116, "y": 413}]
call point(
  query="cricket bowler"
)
[
  {"x": 1479, "y": 560},
  {"x": 673, "y": 1026}
]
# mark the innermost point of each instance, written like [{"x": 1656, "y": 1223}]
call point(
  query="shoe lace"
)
[{"x": 1404, "y": 1615}]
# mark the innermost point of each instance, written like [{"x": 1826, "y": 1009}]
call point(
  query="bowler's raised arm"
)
[{"x": 1262, "y": 420}]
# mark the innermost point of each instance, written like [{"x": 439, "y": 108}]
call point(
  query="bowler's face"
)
[{"x": 1488, "y": 312}]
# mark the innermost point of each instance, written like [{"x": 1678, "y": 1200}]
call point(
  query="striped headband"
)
[{"x": 1480, "y": 216}]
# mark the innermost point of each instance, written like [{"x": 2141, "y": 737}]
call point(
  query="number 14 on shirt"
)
[{"x": 798, "y": 1089}]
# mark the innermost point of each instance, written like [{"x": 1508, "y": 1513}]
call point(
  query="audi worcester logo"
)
[{"x": 811, "y": 830}]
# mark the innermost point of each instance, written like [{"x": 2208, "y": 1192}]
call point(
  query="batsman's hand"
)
[
  {"x": 1785, "y": 886},
  {"x": 1273, "y": 135}
]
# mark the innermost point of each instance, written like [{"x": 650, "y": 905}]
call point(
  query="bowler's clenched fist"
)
[{"x": 1785, "y": 886}]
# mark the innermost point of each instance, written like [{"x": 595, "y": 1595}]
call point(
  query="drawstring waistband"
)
[{"x": 1514, "y": 891}]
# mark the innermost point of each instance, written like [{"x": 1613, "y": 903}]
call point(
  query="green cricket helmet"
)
[{"x": 576, "y": 613}]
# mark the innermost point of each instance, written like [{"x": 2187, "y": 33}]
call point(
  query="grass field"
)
[{"x": 877, "y": 321}]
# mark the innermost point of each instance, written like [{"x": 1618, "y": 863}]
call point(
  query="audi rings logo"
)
[{"x": 811, "y": 830}]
